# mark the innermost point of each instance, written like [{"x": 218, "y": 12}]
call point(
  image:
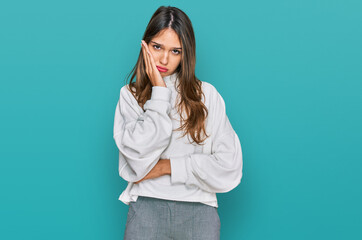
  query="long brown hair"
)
[{"x": 188, "y": 86}]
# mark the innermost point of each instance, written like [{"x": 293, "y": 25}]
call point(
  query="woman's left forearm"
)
[
  {"x": 165, "y": 166},
  {"x": 162, "y": 167}
]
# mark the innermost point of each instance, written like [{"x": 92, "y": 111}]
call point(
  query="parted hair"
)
[{"x": 188, "y": 86}]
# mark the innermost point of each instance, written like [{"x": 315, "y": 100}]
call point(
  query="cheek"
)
[
  {"x": 155, "y": 54},
  {"x": 177, "y": 60}
]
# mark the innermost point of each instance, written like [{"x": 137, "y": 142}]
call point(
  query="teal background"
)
[{"x": 290, "y": 73}]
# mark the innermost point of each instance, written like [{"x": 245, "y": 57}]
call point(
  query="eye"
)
[
  {"x": 156, "y": 47},
  {"x": 177, "y": 52}
]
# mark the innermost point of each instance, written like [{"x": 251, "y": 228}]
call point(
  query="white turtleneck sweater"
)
[{"x": 197, "y": 172}]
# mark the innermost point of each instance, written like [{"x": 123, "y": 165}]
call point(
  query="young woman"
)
[{"x": 177, "y": 148}]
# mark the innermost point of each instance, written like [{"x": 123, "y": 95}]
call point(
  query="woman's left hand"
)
[{"x": 162, "y": 167}]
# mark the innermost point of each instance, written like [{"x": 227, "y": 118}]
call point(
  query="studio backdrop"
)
[{"x": 290, "y": 73}]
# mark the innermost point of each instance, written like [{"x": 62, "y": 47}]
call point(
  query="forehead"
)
[{"x": 167, "y": 37}]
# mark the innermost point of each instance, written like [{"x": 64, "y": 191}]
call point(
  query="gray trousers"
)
[{"x": 153, "y": 218}]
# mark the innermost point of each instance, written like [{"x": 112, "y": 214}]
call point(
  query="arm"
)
[
  {"x": 163, "y": 167},
  {"x": 141, "y": 136},
  {"x": 220, "y": 171}
]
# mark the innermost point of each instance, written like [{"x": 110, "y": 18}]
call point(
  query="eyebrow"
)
[{"x": 162, "y": 45}]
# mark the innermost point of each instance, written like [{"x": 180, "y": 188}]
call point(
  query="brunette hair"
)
[{"x": 188, "y": 86}]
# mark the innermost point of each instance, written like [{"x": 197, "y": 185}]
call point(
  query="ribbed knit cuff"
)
[
  {"x": 178, "y": 169},
  {"x": 161, "y": 93}
]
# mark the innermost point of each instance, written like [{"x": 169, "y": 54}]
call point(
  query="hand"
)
[
  {"x": 162, "y": 167},
  {"x": 151, "y": 69}
]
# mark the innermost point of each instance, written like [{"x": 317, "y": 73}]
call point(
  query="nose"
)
[{"x": 164, "y": 58}]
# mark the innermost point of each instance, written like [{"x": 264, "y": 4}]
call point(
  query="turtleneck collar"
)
[{"x": 170, "y": 79}]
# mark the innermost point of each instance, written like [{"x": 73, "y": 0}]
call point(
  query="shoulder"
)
[
  {"x": 212, "y": 95},
  {"x": 207, "y": 87},
  {"x": 125, "y": 94},
  {"x": 125, "y": 90},
  {"x": 128, "y": 103},
  {"x": 126, "y": 97},
  {"x": 214, "y": 102}
]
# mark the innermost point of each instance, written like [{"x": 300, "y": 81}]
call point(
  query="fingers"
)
[
  {"x": 148, "y": 58},
  {"x": 140, "y": 180},
  {"x": 145, "y": 57},
  {"x": 151, "y": 69},
  {"x": 151, "y": 62}
]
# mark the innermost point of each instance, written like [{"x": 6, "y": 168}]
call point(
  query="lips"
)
[{"x": 161, "y": 69}]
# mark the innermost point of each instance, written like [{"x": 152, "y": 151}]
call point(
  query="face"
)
[{"x": 166, "y": 51}]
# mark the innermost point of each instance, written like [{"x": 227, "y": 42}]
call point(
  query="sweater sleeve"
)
[
  {"x": 141, "y": 136},
  {"x": 220, "y": 171}
]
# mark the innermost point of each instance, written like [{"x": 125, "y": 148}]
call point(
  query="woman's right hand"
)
[{"x": 151, "y": 69}]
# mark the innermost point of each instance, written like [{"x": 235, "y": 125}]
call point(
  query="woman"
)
[{"x": 174, "y": 163}]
